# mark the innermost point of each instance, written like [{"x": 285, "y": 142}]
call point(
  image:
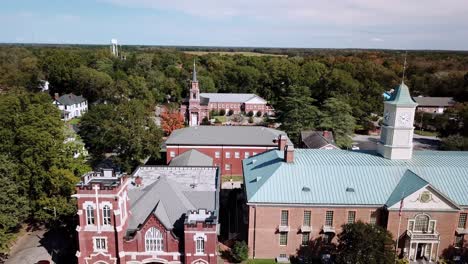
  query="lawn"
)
[
  {"x": 232, "y": 53},
  {"x": 223, "y": 119},
  {"x": 227, "y": 178},
  {"x": 260, "y": 261},
  {"x": 74, "y": 121},
  {"x": 425, "y": 133}
]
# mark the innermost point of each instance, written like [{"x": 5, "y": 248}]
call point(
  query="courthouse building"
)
[
  {"x": 297, "y": 195},
  {"x": 159, "y": 214}
]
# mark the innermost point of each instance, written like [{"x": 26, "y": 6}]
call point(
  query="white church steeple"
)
[{"x": 396, "y": 136}]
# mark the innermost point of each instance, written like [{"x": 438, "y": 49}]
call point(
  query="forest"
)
[{"x": 339, "y": 90}]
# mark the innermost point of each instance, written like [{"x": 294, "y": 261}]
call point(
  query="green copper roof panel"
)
[
  {"x": 409, "y": 183},
  {"x": 402, "y": 96},
  {"x": 349, "y": 177}
]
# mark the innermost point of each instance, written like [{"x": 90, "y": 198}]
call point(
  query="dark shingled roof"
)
[
  {"x": 434, "y": 101},
  {"x": 316, "y": 139},
  {"x": 70, "y": 99}
]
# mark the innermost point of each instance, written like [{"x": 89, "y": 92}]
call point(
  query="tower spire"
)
[
  {"x": 404, "y": 69},
  {"x": 194, "y": 77}
]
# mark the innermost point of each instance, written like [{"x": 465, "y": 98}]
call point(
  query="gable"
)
[
  {"x": 255, "y": 100},
  {"x": 425, "y": 199},
  {"x": 329, "y": 146}
]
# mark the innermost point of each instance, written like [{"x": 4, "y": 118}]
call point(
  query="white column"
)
[
  {"x": 416, "y": 251},
  {"x": 430, "y": 254},
  {"x": 437, "y": 253}
]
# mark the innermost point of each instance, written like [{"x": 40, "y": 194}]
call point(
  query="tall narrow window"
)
[
  {"x": 373, "y": 218},
  {"x": 284, "y": 217},
  {"x": 106, "y": 215},
  {"x": 153, "y": 240},
  {"x": 246, "y": 155},
  {"x": 227, "y": 167},
  {"x": 351, "y": 217},
  {"x": 305, "y": 239},
  {"x": 459, "y": 241},
  {"x": 462, "y": 220},
  {"x": 100, "y": 244},
  {"x": 306, "y": 218},
  {"x": 200, "y": 246},
  {"x": 217, "y": 154},
  {"x": 90, "y": 215},
  {"x": 283, "y": 239},
  {"x": 236, "y": 155},
  {"x": 228, "y": 155},
  {"x": 329, "y": 218}
]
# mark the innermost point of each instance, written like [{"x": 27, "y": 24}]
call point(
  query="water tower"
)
[{"x": 114, "y": 47}]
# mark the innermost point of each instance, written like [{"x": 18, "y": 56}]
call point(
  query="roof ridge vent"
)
[
  {"x": 305, "y": 189},
  {"x": 349, "y": 189}
]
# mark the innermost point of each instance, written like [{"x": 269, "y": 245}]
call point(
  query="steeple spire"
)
[
  {"x": 404, "y": 69},
  {"x": 194, "y": 77}
]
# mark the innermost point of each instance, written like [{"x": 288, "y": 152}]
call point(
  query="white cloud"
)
[{"x": 377, "y": 40}]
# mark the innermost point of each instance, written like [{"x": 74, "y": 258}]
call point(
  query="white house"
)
[{"x": 71, "y": 105}]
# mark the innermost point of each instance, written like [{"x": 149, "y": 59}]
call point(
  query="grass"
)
[
  {"x": 227, "y": 178},
  {"x": 223, "y": 119},
  {"x": 232, "y": 53},
  {"x": 74, "y": 121},
  {"x": 425, "y": 133}
]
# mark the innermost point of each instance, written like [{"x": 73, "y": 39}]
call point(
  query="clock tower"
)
[{"x": 396, "y": 136}]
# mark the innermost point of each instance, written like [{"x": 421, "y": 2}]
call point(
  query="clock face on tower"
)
[{"x": 404, "y": 118}]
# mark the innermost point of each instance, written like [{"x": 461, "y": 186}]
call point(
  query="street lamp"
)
[{"x": 54, "y": 209}]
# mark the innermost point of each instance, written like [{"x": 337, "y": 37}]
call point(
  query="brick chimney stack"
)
[
  {"x": 282, "y": 142},
  {"x": 289, "y": 154}
]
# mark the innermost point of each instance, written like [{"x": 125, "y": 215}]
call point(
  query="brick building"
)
[
  {"x": 158, "y": 214},
  {"x": 198, "y": 105},
  {"x": 226, "y": 145},
  {"x": 297, "y": 195}
]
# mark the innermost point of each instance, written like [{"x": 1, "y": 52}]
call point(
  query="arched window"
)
[
  {"x": 200, "y": 245},
  {"x": 153, "y": 240},
  {"x": 90, "y": 215},
  {"x": 106, "y": 215},
  {"x": 421, "y": 223}
]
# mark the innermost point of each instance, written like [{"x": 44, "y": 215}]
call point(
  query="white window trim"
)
[
  {"x": 228, "y": 155},
  {"x": 279, "y": 239},
  {"x": 246, "y": 155},
  {"x": 172, "y": 154},
  {"x": 217, "y": 154},
  {"x": 85, "y": 209},
  {"x": 100, "y": 250},
  {"x": 102, "y": 205},
  {"x": 227, "y": 166},
  {"x": 237, "y": 155}
]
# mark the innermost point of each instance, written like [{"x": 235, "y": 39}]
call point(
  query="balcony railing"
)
[
  {"x": 328, "y": 229},
  {"x": 422, "y": 235},
  {"x": 462, "y": 231}
]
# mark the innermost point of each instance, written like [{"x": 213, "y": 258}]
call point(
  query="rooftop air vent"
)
[
  {"x": 349, "y": 189},
  {"x": 258, "y": 178},
  {"x": 193, "y": 185},
  {"x": 305, "y": 189}
]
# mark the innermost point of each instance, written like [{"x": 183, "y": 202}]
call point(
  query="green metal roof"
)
[
  {"x": 402, "y": 96},
  {"x": 409, "y": 183},
  {"x": 328, "y": 176}
]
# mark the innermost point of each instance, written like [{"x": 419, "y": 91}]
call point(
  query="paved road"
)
[
  {"x": 366, "y": 142},
  {"x": 28, "y": 249}
]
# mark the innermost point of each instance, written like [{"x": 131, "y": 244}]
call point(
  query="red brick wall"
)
[
  {"x": 236, "y": 163},
  {"x": 210, "y": 244},
  {"x": 268, "y": 220}
]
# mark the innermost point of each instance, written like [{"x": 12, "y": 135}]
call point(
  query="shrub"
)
[
  {"x": 214, "y": 113},
  {"x": 250, "y": 113},
  {"x": 259, "y": 114},
  {"x": 402, "y": 261},
  {"x": 205, "y": 121},
  {"x": 251, "y": 120},
  {"x": 240, "y": 251},
  {"x": 222, "y": 112},
  {"x": 217, "y": 121},
  {"x": 230, "y": 112},
  {"x": 237, "y": 118}
]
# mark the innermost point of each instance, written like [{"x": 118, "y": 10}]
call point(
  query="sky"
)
[{"x": 387, "y": 24}]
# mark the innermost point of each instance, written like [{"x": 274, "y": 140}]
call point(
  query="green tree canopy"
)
[
  {"x": 337, "y": 117},
  {"x": 363, "y": 243}
]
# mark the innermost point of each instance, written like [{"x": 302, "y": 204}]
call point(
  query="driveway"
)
[{"x": 28, "y": 249}]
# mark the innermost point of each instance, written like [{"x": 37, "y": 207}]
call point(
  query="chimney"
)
[
  {"x": 326, "y": 134},
  {"x": 138, "y": 181},
  {"x": 282, "y": 142},
  {"x": 289, "y": 154},
  {"x": 56, "y": 96}
]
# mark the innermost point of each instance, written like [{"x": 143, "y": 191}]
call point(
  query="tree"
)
[
  {"x": 205, "y": 121},
  {"x": 259, "y": 114},
  {"x": 336, "y": 116},
  {"x": 230, "y": 112},
  {"x": 363, "y": 243},
  {"x": 92, "y": 84},
  {"x": 172, "y": 120},
  {"x": 240, "y": 251},
  {"x": 250, "y": 113},
  {"x": 222, "y": 112},
  {"x": 126, "y": 130},
  {"x": 298, "y": 112}
]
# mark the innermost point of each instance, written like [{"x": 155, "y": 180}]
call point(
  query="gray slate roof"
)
[
  {"x": 316, "y": 139},
  {"x": 229, "y": 97},
  {"x": 170, "y": 192},
  {"x": 70, "y": 99},
  {"x": 225, "y": 135},
  {"x": 192, "y": 157},
  {"x": 434, "y": 101}
]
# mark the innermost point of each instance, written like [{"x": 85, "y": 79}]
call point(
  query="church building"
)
[
  {"x": 295, "y": 196},
  {"x": 159, "y": 214},
  {"x": 198, "y": 105}
]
